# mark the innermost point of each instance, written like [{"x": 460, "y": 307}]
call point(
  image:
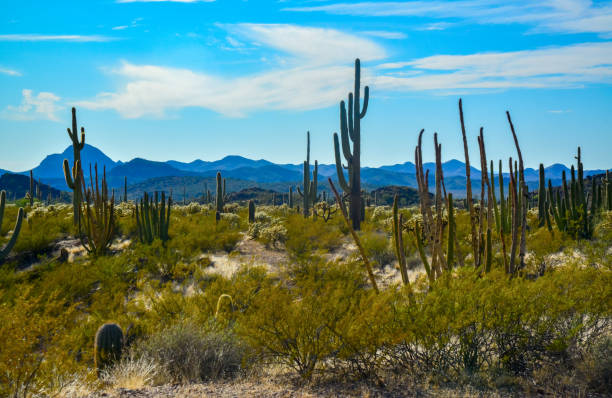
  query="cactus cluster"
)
[
  {"x": 437, "y": 230},
  {"x": 572, "y": 208},
  {"x": 4, "y": 252},
  {"x": 350, "y": 131},
  {"x": 153, "y": 218},
  {"x": 97, "y": 215},
  {"x": 108, "y": 346},
  {"x": 309, "y": 191},
  {"x": 72, "y": 175}
]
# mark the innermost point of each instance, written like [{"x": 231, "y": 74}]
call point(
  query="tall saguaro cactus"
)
[
  {"x": 350, "y": 130},
  {"x": 9, "y": 246},
  {"x": 309, "y": 192},
  {"x": 72, "y": 177}
]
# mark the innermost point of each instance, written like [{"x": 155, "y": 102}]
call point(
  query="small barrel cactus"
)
[{"x": 107, "y": 346}]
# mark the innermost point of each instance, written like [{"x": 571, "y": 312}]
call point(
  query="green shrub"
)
[{"x": 305, "y": 236}]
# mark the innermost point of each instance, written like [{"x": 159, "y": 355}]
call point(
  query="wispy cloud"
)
[
  {"x": 308, "y": 44},
  {"x": 10, "y": 72},
  {"x": 566, "y": 16},
  {"x": 556, "y": 67},
  {"x": 313, "y": 69},
  {"x": 385, "y": 34},
  {"x": 154, "y": 90},
  {"x": 41, "y": 106},
  {"x": 70, "y": 38},
  {"x": 435, "y": 26}
]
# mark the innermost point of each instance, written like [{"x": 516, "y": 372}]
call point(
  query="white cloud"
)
[
  {"x": 41, "y": 106},
  {"x": 152, "y": 90},
  {"x": 556, "y": 67},
  {"x": 385, "y": 34},
  {"x": 312, "y": 45},
  {"x": 566, "y": 16},
  {"x": 72, "y": 38},
  {"x": 122, "y": 27},
  {"x": 314, "y": 70},
  {"x": 10, "y": 72}
]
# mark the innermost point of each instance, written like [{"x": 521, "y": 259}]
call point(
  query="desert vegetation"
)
[{"x": 504, "y": 292}]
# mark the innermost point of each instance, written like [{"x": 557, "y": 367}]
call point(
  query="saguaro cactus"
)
[
  {"x": 350, "y": 130},
  {"x": 290, "y": 199},
  {"x": 72, "y": 179},
  {"x": 108, "y": 346},
  {"x": 31, "y": 192},
  {"x": 125, "y": 189},
  {"x": 9, "y": 246},
  {"x": 309, "y": 193},
  {"x": 251, "y": 211},
  {"x": 220, "y": 199}
]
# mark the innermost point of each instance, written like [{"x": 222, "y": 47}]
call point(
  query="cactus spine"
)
[
  {"x": 309, "y": 192},
  {"x": 350, "y": 130},
  {"x": 251, "y": 211},
  {"x": 4, "y": 252},
  {"x": 72, "y": 177},
  {"x": 153, "y": 218},
  {"x": 108, "y": 346}
]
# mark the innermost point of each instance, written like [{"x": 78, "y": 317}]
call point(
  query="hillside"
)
[{"x": 16, "y": 186}]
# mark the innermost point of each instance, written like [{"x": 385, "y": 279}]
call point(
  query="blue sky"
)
[{"x": 203, "y": 79}]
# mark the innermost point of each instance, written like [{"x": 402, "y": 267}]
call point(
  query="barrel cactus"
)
[{"x": 107, "y": 346}]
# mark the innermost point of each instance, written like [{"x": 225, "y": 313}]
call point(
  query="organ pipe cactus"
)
[
  {"x": 350, "y": 131},
  {"x": 71, "y": 176},
  {"x": 97, "y": 218},
  {"x": 153, "y": 218},
  {"x": 108, "y": 346},
  {"x": 4, "y": 252},
  {"x": 309, "y": 190},
  {"x": 570, "y": 209}
]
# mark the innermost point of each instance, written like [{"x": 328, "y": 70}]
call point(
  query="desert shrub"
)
[
  {"x": 594, "y": 368},
  {"x": 31, "y": 326},
  {"x": 378, "y": 247},
  {"x": 381, "y": 213},
  {"x": 262, "y": 217},
  {"x": 200, "y": 233},
  {"x": 231, "y": 208},
  {"x": 133, "y": 371},
  {"x": 189, "y": 354},
  {"x": 470, "y": 324},
  {"x": 297, "y": 326},
  {"x": 41, "y": 227},
  {"x": 305, "y": 236}
]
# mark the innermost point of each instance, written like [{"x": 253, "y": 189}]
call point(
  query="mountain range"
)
[{"x": 261, "y": 173}]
